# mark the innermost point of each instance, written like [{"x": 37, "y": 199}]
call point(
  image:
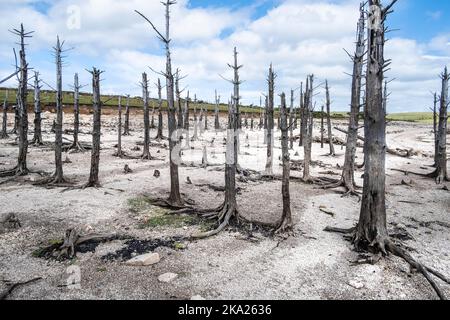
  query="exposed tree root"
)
[
  {"x": 67, "y": 247},
  {"x": 168, "y": 204},
  {"x": 54, "y": 182},
  {"x": 75, "y": 148},
  {"x": 384, "y": 246},
  {"x": 350, "y": 188},
  {"x": 12, "y": 287}
]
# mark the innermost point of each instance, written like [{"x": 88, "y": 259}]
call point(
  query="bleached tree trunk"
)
[
  {"x": 441, "y": 164},
  {"x": 286, "y": 218},
  {"x": 126, "y": 131},
  {"x": 37, "y": 138},
  {"x": 160, "y": 135},
  {"x": 146, "y": 155},
  {"x": 291, "y": 122},
  {"x": 307, "y": 143},
  {"x": 329, "y": 125},
  {"x": 4, "y": 133},
  {"x": 195, "y": 137},
  {"x": 206, "y": 119},
  {"x": 59, "y": 174},
  {"x": 119, "y": 131},
  {"x": 76, "y": 146},
  {"x": 304, "y": 119},
  {"x": 179, "y": 102},
  {"x": 371, "y": 231},
  {"x": 270, "y": 122},
  {"x": 216, "y": 115},
  {"x": 22, "y": 112},
  {"x": 96, "y": 130},
  {"x": 186, "y": 120},
  {"x": 236, "y": 100},
  {"x": 322, "y": 128},
  {"x": 435, "y": 129}
]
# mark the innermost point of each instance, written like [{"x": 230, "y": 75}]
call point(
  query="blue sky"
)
[{"x": 298, "y": 36}]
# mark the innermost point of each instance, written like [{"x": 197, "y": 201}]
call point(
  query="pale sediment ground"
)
[{"x": 311, "y": 265}]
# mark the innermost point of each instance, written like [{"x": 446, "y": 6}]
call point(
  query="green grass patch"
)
[{"x": 169, "y": 220}]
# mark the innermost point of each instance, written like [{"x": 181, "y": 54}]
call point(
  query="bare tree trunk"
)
[
  {"x": 435, "y": 130},
  {"x": 59, "y": 175},
  {"x": 146, "y": 155},
  {"x": 76, "y": 146},
  {"x": 37, "y": 138},
  {"x": 307, "y": 143},
  {"x": 304, "y": 120},
  {"x": 16, "y": 120},
  {"x": 216, "y": 116},
  {"x": 441, "y": 164},
  {"x": 119, "y": 131},
  {"x": 4, "y": 133},
  {"x": 186, "y": 120},
  {"x": 127, "y": 117},
  {"x": 252, "y": 121},
  {"x": 371, "y": 231},
  {"x": 179, "y": 102},
  {"x": 195, "y": 137},
  {"x": 96, "y": 130},
  {"x": 160, "y": 135},
  {"x": 236, "y": 100},
  {"x": 270, "y": 122},
  {"x": 348, "y": 172},
  {"x": 330, "y": 133},
  {"x": 291, "y": 122},
  {"x": 286, "y": 218},
  {"x": 322, "y": 128}
]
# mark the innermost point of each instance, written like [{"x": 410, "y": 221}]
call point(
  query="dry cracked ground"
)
[{"x": 311, "y": 264}]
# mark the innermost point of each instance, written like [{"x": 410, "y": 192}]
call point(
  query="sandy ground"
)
[{"x": 312, "y": 264}]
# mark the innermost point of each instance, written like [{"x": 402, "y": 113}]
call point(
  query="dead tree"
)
[
  {"x": 228, "y": 210},
  {"x": 160, "y": 135},
  {"x": 175, "y": 196},
  {"x": 348, "y": 173},
  {"x": 270, "y": 122},
  {"x": 206, "y": 119},
  {"x": 195, "y": 136},
  {"x": 308, "y": 137},
  {"x": 291, "y": 122},
  {"x": 4, "y": 133},
  {"x": 126, "y": 131},
  {"x": 96, "y": 130},
  {"x": 216, "y": 112},
  {"x": 76, "y": 145},
  {"x": 146, "y": 155},
  {"x": 330, "y": 133},
  {"x": 59, "y": 175},
  {"x": 286, "y": 218},
  {"x": 119, "y": 152},
  {"x": 371, "y": 232},
  {"x": 304, "y": 117},
  {"x": 37, "y": 138},
  {"x": 186, "y": 119},
  {"x": 435, "y": 129},
  {"x": 440, "y": 174},
  {"x": 178, "y": 92},
  {"x": 322, "y": 128},
  {"x": 22, "y": 92},
  {"x": 252, "y": 121}
]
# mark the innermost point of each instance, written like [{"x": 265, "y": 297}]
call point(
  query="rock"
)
[
  {"x": 157, "y": 174},
  {"x": 356, "y": 284},
  {"x": 167, "y": 277},
  {"x": 197, "y": 298},
  {"x": 144, "y": 260}
]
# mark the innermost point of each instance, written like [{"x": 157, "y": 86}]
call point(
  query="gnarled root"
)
[
  {"x": 223, "y": 214},
  {"x": 384, "y": 245}
]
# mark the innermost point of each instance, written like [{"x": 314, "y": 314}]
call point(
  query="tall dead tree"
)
[
  {"x": 228, "y": 209},
  {"x": 4, "y": 133},
  {"x": 76, "y": 145},
  {"x": 37, "y": 138},
  {"x": 186, "y": 119},
  {"x": 146, "y": 155},
  {"x": 119, "y": 152},
  {"x": 216, "y": 112},
  {"x": 286, "y": 218},
  {"x": 308, "y": 137},
  {"x": 195, "y": 136},
  {"x": 435, "y": 128},
  {"x": 270, "y": 121},
  {"x": 175, "y": 196},
  {"x": 59, "y": 174},
  {"x": 178, "y": 97},
  {"x": 22, "y": 92},
  {"x": 126, "y": 131},
  {"x": 96, "y": 130},
  {"x": 304, "y": 117},
  {"x": 348, "y": 173},
  {"x": 371, "y": 232},
  {"x": 330, "y": 133},
  {"x": 322, "y": 128},
  {"x": 441, "y": 159},
  {"x": 160, "y": 135},
  {"x": 206, "y": 119},
  {"x": 291, "y": 122}
]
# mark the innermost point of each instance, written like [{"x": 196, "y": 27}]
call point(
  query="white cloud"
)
[{"x": 298, "y": 36}]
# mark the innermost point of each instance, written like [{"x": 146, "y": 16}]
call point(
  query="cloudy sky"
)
[{"x": 298, "y": 36}]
